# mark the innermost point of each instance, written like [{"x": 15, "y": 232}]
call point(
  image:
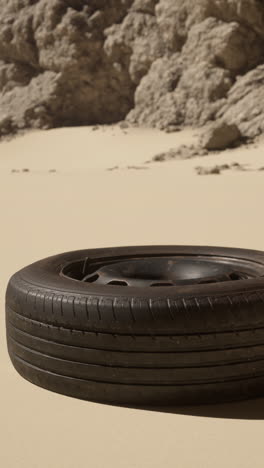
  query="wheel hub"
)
[{"x": 163, "y": 271}]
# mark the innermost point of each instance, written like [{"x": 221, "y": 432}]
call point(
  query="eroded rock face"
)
[
  {"x": 190, "y": 87},
  {"x": 244, "y": 104},
  {"x": 59, "y": 45},
  {"x": 163, "y": 63}
]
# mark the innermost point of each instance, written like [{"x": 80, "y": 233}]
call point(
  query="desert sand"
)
[{"x": 84, "y": 205}]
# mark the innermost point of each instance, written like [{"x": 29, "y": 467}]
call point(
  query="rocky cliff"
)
[{"x": 162, "y": 63}]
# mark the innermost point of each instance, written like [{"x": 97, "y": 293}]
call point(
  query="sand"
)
[{"x": 83, "y": 205}]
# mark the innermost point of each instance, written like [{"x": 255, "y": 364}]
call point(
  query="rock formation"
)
[{"x": 162, "y": 63}]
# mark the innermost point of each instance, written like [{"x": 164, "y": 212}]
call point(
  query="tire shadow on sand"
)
[{"x": 245, "y": 410}]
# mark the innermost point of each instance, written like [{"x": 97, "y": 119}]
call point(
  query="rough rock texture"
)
[
  {"x": 53, "y": 67},
  {"x": 164, "y": 63},
  {"x": 221, "y": 136},
  {"x": 244, "y": 105}
]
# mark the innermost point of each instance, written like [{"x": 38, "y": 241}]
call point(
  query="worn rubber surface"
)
[{"x": 189, "y": 344}]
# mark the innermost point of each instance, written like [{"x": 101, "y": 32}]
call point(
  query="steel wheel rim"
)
[{"x": 161, "y": 270}]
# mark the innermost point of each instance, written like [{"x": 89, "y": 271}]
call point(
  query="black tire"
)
[{"x": 180, "y": 344}]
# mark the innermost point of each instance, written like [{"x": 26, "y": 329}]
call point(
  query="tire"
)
[{"x": 198, "y": 340}]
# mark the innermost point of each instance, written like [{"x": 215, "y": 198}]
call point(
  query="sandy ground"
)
[{"x": 83, "y": 205}]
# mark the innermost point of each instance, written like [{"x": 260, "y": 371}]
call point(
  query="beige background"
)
[{"x": 84, "y": 206}]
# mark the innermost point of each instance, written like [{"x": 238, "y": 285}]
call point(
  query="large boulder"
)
[{"x": 220, "y": 136}]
